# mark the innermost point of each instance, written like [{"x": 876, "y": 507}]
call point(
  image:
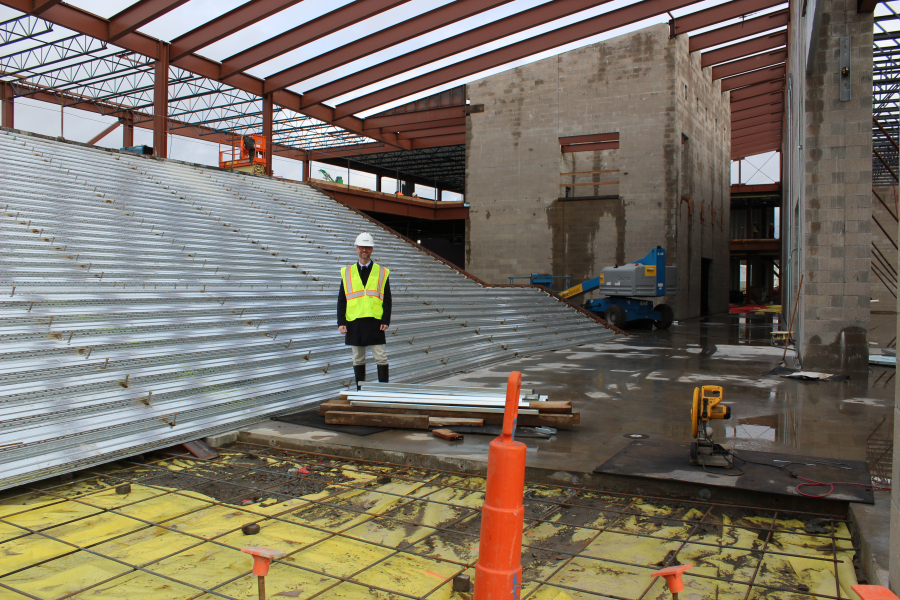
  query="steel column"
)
[
  {"x": 8, "y": 105},
  {"x": 128, "y": 130},
  {"x": 267, "y": 130},
  {"x": 161, "y": 101}
]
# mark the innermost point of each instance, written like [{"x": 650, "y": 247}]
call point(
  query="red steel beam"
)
[
  {"x": 772, "y": 140},
  {"x": 406, "y": 30},
  {"x": 730, "y": 33},
  {"x": 768, "y": 74},
  {"x": 386, "y": 203},
  {"x": 267, "y": 110},
  {"x": 547, "y": 41},
  {"x": 434, "y": 131},
  {"x": 742, "y": 49},
  {"x": 772, "y": 98},
  {"x": 339, "y": 151},
  {"x": 128, "y": 130},
  {"x": 419, "y": 116},
  {"x": 590, "y": 147},
  {"x": 179, "y": 128},
  {"x": 448, "y": 47},
  {"x": 138, "y": 15},
  {"x": 426, "y": 125},
  {"x": 717, "y": 14},
  {"x": 338, "y": 19},
  {"x": 740, "y": 153},
  {"x": 161, "y": 101},
  {"x": 760, "y": 120},
  {"x": 227, "y": 24},
  {"x": 8, "y": 105},
  {"x": 586, "y": 139},
  {"x": 744, "y": 153},
  {"x": 756, "y": 112},
  {"x": 103, "y": 133},
  {"x": 757, "y": 90},
  {"x": 88, "y": 24},
  {"x": 749, "y": 64},
  {"x": 42, "y": 5},
  {"x": 762, "y": 135},
  {"x": 441, "y": 140}
]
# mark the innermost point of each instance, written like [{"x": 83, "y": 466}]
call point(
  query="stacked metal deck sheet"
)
[{"x": 146, "y": 302}]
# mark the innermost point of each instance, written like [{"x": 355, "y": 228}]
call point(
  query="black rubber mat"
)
[
  {"x": 312, "y": 418},
  {"x": 756, "y": 471}
]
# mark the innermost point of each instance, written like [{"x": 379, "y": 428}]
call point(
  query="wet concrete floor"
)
[{"x": 643, "y": 383}]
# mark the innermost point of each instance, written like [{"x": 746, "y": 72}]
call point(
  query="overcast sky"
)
[{"x": 82, "y": 126}]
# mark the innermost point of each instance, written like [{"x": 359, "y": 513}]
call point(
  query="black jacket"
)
[{"x": 367, "y": 330}]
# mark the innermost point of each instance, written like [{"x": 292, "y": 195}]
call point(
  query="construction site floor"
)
[
  {"x": 356, "y": 529},
  {"x": 643, "y": 383}
]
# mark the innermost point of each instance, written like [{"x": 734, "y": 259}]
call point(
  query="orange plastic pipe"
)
[{"x": 498, "y": 572}]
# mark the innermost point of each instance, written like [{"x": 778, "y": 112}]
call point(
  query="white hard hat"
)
[{"x": 364, "y": 239}]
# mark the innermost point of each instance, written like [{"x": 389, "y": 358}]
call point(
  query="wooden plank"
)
[
  {"x": 454, "y": 422},
  {"x": 200, "y": 449},
  {"x": 540, "y": 420},
  {"x": 392, "y": 421},
  {"x": 554, "y": 408},
  {"x": 446, "y": 434},
  {"x": 589, "y": 183}
]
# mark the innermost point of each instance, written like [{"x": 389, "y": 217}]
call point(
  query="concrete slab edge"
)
[
  {"x": 868, "y": 527},
  {"x": 676, "y": 490}
]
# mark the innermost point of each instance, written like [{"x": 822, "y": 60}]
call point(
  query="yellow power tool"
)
[{"x": 706, "y": 406}]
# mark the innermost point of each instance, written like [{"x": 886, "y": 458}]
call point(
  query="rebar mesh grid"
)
[{"x": 365, "y": 529}]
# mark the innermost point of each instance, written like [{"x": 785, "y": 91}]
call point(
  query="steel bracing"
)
[{"x": 886, "y": 94}]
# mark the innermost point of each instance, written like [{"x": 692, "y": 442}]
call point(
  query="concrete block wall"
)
[
  {"x": 702, "y": 116},
  {"x": 520, "y": 223},
  {"x": 832, "y": 194}
]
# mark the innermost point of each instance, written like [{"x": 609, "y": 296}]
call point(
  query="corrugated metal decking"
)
[{"x": 145, "y": 303}]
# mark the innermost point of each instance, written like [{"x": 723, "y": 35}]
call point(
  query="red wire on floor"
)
[{"x": 813, "y": 482}]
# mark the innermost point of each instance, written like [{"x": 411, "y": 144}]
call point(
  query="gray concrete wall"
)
[
  {"x": 829, "y": 172},
  {"x": 631, "y": 85},
  {"x": 702, "y": 115}
]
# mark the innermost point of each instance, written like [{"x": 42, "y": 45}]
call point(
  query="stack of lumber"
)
[{"x": 417, "y": 406}]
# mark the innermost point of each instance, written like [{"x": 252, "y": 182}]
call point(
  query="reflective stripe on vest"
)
[{"x": 364, "y": 300}]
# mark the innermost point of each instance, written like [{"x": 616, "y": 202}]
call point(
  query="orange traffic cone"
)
[{"x": 498, "y": 572}]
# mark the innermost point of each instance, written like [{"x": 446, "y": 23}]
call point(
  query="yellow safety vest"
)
[{"x": 364, "y": 300}]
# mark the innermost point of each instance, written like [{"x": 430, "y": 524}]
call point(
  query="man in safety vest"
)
[{"x": 364, "y": 309}]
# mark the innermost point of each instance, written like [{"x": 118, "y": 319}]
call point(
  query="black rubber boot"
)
[
  {"x": 382, "y": 374},
  {"x": 360, "y": 372}
]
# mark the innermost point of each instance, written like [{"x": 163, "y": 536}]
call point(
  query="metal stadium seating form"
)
[{"x": 147, "y": 302}]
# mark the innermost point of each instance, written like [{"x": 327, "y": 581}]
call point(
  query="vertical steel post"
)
[
  {"x": 307, "y": 165},
  {"x": 8, "y": 108},
  {"x": 268, "y": 110},
  {"x": 128, "y": 130},
  {"x": 161, "y": 101}
]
